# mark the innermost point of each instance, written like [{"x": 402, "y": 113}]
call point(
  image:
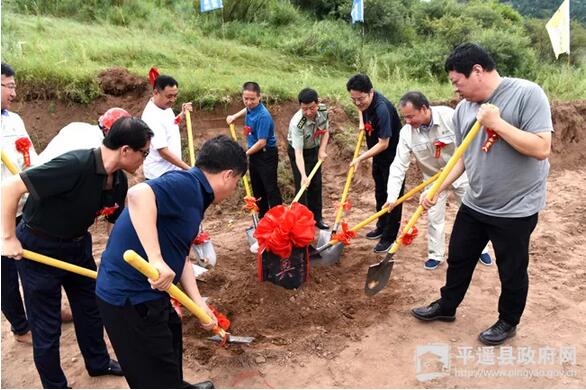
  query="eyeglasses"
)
[
  {"x": 10, "y": 86},
  {"x": 145, "y": 152},
  {"x": 359, "y": 99}
]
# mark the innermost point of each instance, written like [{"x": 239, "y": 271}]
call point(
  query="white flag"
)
[{"x": 558, "y": 29}]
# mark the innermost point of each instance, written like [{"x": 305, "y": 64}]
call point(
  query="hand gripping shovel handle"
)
[
  {"x": 378, "y": 274},
  {"x": 340, "y": 212},
  {"x": 244, "y": 178},
  {"x": 304, "y": 187},
  {"x": 148, "y": 270},
  {"x": 9, "y": 164},
  {"x": 190, "y": 138},
  {"x": 59, "y": 264}
]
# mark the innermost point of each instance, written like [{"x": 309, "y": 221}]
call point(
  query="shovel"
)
[
  {"x": 254, "y": 214},
  {"x": 145, "y": 268},
  {"x": 9, "y": 164},
  {"x": 324, "y": 235},
  {"x": 330, "y": 253},
  {"x": 378, "y": 274}
]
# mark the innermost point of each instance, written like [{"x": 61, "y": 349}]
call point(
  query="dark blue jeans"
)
[
  {"x": 42, "y": 294},
  {"x": 12, "y": 306}
]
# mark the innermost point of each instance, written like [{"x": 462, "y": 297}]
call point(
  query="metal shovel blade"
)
[
  {"x": 250, "y": 236},
  {"x": 233, "y": 339},
  {"x": 378, "y": 275},
  {"x": 328, "y": 255},
  {"x": 324, "y": 237}
]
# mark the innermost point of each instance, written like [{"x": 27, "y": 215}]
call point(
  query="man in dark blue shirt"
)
[
  {"x": 259, "y": 130},
  {"x": 66, "y": 195},
  {"x": 382, "y": 126},
  {"x": 161, "y": 221}
]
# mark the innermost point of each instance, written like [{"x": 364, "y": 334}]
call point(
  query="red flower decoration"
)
[
  {"x": 439, "y": 145},
  {"x": 345, "y": 235},
  {"x": 319, "y": 133},
  {"x": 177, "y": 119},
  {"x": 347, "y": 206},
  {"x": 283, "y": 228},
  {"x": 201, "y": 238},
  {"x": 250, "y": 204},
  {"x": 223, "y": 321},
  {"x": 408, "y": 237},
  {"x": 23, "y": 145},
  {"x": 246, "y": 131},
  {"x": 153, "y": 74},
  {"x": 492, "y": 138},
  {"x": 106, "y": 211},
  {"x": 368, "y": 128}
]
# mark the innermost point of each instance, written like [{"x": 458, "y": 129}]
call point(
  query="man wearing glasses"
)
[
  {"x": 67, "y": 194},
  {"x": 382, "y": 126}
]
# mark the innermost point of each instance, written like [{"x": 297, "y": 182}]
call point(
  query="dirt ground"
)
[{"x": 329, "y": 333}]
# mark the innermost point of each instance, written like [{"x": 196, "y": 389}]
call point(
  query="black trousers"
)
[
  {"x": 510, "y": 240},
  {"x": 263, "y": 178},
  {"x": 312, "y": 196},
  {"x": 390, "y": 223},
  {"x": 148, "y": 342},
  {"x": 12, "y": 306},
  {"x": 42, "y": 294}
]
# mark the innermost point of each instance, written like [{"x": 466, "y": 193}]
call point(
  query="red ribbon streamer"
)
[
  {"x": 368, "y": 128},
  {"x": 223, "y": 321},
  {"x": 153, "y": 74},
  {"x": 345, "y": 235},
  {"x": 23, "y": 144},
  {"x": 246, "y": 131},
  {"x": 283, "y": 228},
  {"x": 347, "y": 206},
  {"x": 107, "y": 211},
  {"x": 408, "y": 237},
  {"x": 492, "y": 138},
  {"x": 177, "y": 307},
  {"x": 250, "y": 204},
  {"x": 318, "y": 133},
  {"x": 439, "y": 145},
  {"x": 201, "y": 238}
]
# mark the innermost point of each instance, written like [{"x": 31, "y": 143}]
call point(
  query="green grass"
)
[{"x": 58, "y": 57}]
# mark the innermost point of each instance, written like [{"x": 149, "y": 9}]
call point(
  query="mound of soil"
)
[{"x": 118, "y": 81}]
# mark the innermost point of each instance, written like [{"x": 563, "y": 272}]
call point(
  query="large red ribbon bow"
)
[{"x": 23, "y": 144}]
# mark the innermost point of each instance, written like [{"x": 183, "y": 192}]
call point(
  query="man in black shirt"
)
[
  {"x": 382, "y": 126},
  {"x": 67, "y": 194}
]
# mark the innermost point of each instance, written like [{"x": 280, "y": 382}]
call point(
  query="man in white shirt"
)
[
  {"x": 429, "y": 135},
  {"x": 165, "y": 150},
  {"x": 79, "y": 135},
  {"x": 13, "y": 133}
]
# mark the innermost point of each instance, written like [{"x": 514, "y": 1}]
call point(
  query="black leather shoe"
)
[
  {"x": 497, "y": 333},
  {"x": 433, "y": 312},
  {"x": 321, "y": 225},
  {"x": 374, "y": 234},
  {"x": 200, "y": 385},
  {"x": 383, "y": 246},
  {"x": 113, "y": 369}
]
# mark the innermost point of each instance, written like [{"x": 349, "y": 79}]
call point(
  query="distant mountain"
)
[{"x": 545, "y": 8}]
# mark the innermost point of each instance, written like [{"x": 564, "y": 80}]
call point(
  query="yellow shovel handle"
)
[
  {"x": 9, "y": 164},
  {"x": 340, "y": 212},
  {"x": 190, "y": 138},
  {"x": 245, "y": 177},
  {"x": 440, "y": 180},
  {"x": 148, "y": 270},
  {"x": 311, "y": 175},
  {"x": 59, "y": 264}
]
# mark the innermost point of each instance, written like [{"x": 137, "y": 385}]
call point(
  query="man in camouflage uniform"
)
[{"x": 308, "y": 138}]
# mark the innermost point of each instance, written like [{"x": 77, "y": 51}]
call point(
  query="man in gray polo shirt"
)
[{"x": 507, "y": 184}]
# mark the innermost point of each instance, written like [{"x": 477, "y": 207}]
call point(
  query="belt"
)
[{"x": 45, "y": 236}]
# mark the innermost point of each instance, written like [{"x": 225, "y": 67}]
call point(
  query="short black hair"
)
[
  {"x": 129, "y": 131},
  {"x": 251, "y": 86},
  {"x": 359, "y": 82},
  {"x": 465, "y": 56},
  {"x": 416, "y": 98},
  {"x": 7, "y": 70},
  {"x": 164, "y": 81},
  {"x": 222, "y": 153},
  {"x": 307, "y": 95}
]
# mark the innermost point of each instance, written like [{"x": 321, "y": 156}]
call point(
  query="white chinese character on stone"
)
[
  {"x": 525, "y": 355},
  {"x": 465, "y": 354},
  {"x": 547, "y": 355},
  {"x": 506, "y": 356},
  {"x": 485, "y": 356},
  {"x": 568, "y": 355}
]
